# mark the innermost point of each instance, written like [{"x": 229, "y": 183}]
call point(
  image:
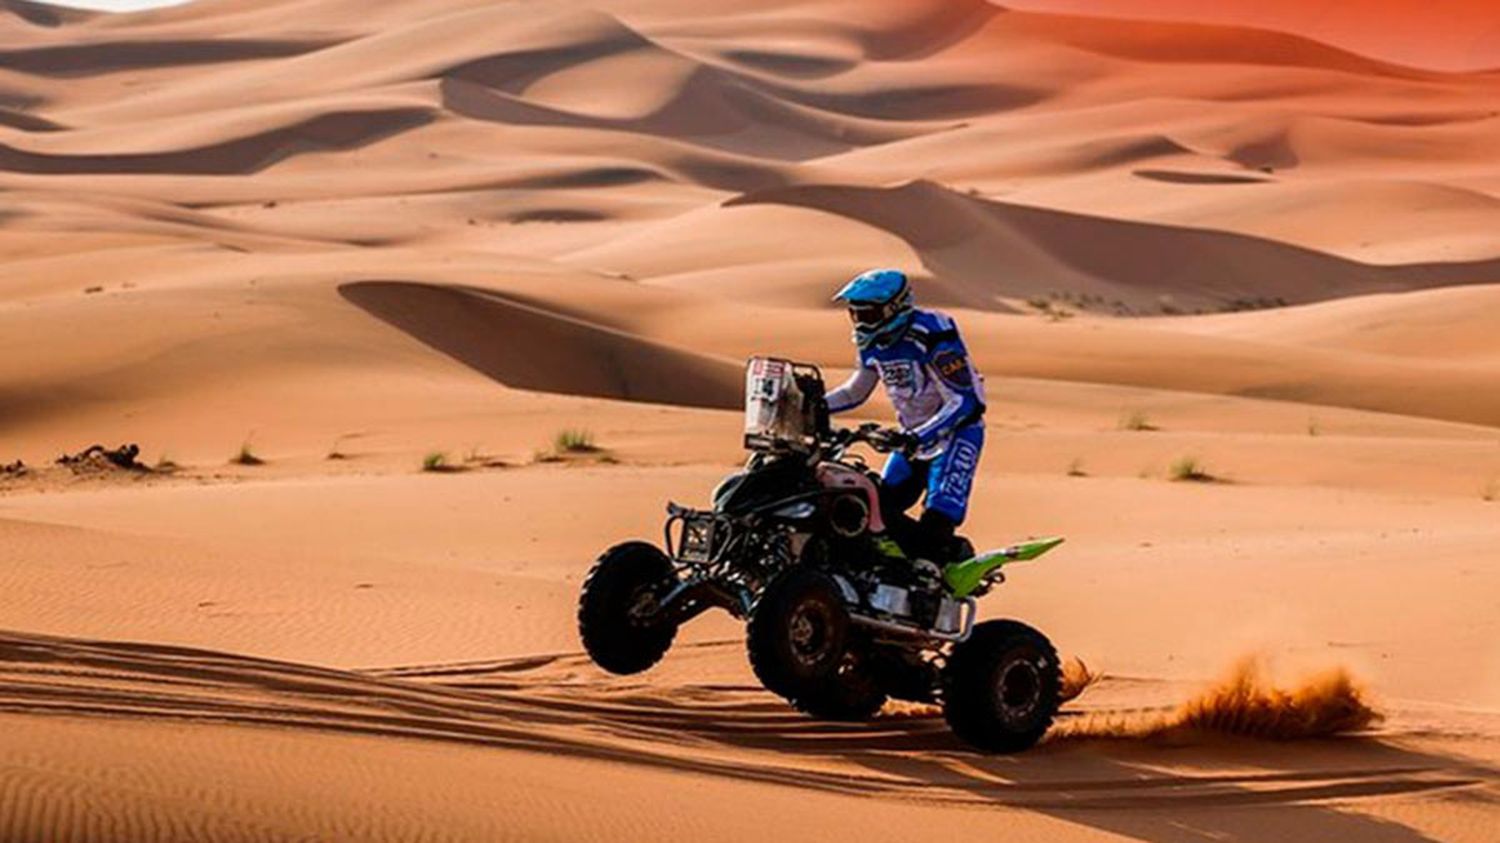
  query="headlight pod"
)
[{"x": 697, "y": 543}]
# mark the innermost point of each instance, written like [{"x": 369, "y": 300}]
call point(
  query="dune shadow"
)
[
  {"x": 556, "y": 705},
  {"x": 712, "y": 109},
  {"x": 335, "y": 131},
  {"x": 18, "y": 119},
  {"x": 44, "y": 14},
  {"x": 524, "y": 345},
  {"x": 81, "y": 60},
  {"x": 48, "y": 675},
  {"x": 1185, "y": 177},
  {"x": 796, "y": 65}
]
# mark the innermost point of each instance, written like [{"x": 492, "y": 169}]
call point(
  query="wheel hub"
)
[
  {"x": 1019, "y": 689},
  {"x": 808, "y": 634},
  {"x": 642, "y": 606}
]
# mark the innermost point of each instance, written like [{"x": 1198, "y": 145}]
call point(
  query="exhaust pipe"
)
[{"x": 903, "y": 630}]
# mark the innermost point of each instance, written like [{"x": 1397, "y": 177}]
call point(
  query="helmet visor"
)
[{"x": 870, "y": 315}]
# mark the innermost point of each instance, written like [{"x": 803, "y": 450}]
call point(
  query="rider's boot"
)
[{"x": 935, "y": 539}]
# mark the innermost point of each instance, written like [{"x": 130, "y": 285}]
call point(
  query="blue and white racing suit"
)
[{"x": 939, "y": 398}]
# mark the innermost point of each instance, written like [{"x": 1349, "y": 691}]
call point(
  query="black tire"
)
[
  {"x": 798, "y": 632},
  {"x": 801, "y": 649},
  {"x": 904, "y": 675},
  {"x": 625, "y": 581},
  {"x": 1002, "y": 687},
  {"x": 851, "y": 694}
]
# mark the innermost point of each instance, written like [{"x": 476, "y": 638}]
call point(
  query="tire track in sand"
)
[{"x": 538, "y": 704}]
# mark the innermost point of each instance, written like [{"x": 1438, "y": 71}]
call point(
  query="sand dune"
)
[
  {"x": 349, "y": 237},
  {"x": 1402, "y": 325},
  {"x": 43, "y": 14},
  {"x": 110, "y": 57},
  {"x": 1416, "y": 222},
  {"x": 1445, "y": 35},
  {"x": 1187, "y": 43},
  {"x": 326, "y": 132},
  {"x": 971, "y": 240},
  {"x": 526, "y": 347},
  {"x": 706, "y": 108}
]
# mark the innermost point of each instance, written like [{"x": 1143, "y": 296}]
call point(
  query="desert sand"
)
[{"x": 347, "y": 236}]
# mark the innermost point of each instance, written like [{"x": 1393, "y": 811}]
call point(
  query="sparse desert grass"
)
[
  {"x": 1190, "y": 470},
  {"x": 438, "y": 462},
  {"x": 1049, "y": 309},
  {"x": 247, "y": 455},
  {"x": 1314, "y": 427},
  {"x": 574, "y": 441},
  {"x": 1075, "y": 469},
  {"x": 1137, "y": 420},
  {"x": 572, "y": 444},
  {"x": 1491, "y": 490},
  {"x": 166, "y": 465}
]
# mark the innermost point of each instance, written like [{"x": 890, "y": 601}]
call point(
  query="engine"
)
[{"x": 926, "y": 608}]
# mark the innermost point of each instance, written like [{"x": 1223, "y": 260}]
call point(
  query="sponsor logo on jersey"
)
[
  {"x": 899, "y": 376},
  {"x": 953, "y": 368}
]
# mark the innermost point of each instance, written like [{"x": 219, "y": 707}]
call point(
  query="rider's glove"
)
[{"x": 906, "y": 443}]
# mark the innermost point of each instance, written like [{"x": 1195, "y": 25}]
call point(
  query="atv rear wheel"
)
[
  {"x": 1002, "y": 687},
  {"x": 904, "y": 675},
  {"x": 797, "y": 633},
  {"x": 616, "y": 607}
]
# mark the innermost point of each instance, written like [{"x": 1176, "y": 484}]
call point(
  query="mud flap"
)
[{"x": 962, "y": 578}]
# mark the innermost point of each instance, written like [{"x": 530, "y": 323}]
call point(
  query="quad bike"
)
[{"x": 791, "y": 545}]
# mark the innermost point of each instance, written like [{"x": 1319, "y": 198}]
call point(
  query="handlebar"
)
[{"x": 882, "y": 439}]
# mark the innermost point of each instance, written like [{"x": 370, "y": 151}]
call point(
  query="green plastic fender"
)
[{"x": 964, "y": 577}]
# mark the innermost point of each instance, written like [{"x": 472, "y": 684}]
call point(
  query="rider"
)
[{"x": 939, "y": 399}]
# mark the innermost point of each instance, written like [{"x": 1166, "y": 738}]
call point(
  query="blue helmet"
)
[{"x": 879, "y": 304}]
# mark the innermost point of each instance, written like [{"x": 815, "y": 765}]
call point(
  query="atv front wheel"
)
[
  {"x": 617, "y": 606},
  {"x": 1002, "y": 687},
  {"x": 797, "y": 633}
]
